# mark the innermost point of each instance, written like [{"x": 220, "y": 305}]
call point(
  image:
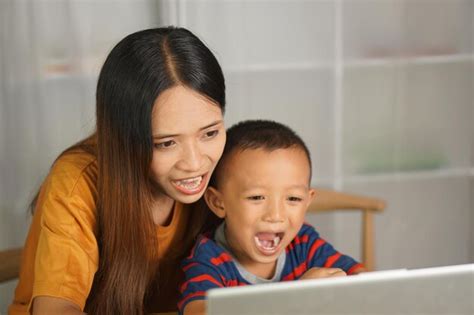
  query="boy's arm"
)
[
  {"x": 199, "y": 278},
  {"x": 203, "y": 270},
  {"x": 318, "y": 273},
  {"x": 321, "y": 272},
  {"x": 321, "y": 254},
  {"x": 359, "y": 269}
]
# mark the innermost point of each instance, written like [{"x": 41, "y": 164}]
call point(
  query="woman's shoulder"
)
[
  {"x": 72, "y": 169},
  {"x": 68, "y": 195},
  {"x": 75, "y": 162}
]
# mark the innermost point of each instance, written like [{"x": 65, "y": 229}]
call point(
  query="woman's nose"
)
[{"x": 192, "y": 158}]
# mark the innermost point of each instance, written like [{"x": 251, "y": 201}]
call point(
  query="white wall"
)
[
  {"x": 380, "y": 90},
  {"x": 382, "y": 93}
]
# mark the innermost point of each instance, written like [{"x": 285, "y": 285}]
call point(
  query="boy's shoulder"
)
[
  {"x": 206, "y": 249},
  {"x": 307, "y": 230},
  {"x": 306, "y": 235}
]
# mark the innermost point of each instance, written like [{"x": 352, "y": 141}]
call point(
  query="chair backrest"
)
[
  {"x": 9, "y": 264},
  {"x": 330, "y": 200}
]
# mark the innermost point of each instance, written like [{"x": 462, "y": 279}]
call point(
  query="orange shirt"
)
[{"x": 61, "y": 255}]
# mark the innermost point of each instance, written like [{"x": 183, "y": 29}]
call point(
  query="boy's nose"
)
[{"x": 275, "y": 213}]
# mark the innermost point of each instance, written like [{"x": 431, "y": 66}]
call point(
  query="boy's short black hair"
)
[{"x": 259, "y": 134}]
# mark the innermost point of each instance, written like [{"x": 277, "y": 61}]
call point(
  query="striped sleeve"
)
[
  {"x": 322, "y": 254},
  {"x": 201, "y": 273}
]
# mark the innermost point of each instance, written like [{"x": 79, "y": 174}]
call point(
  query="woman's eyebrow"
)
[{"x": 215, "y": 123}]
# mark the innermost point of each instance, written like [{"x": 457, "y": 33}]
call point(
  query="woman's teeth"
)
[{"x": 190, "y": 183}]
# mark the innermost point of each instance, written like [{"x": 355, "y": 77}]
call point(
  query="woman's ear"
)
[{"x": 214, "y": 201}]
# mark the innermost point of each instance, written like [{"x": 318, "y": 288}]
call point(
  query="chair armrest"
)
[{"x": 10, "y": 264}]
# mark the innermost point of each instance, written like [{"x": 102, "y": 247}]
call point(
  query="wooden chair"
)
[
  {"x": 330, "y": 200},
  {"x": 325, "y": 201},
  {"x": 9, "y": 264}
]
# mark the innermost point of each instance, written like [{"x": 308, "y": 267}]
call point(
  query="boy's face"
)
[{"x": 263, "y": 197}]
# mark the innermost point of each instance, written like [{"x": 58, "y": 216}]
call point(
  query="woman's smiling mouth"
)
[{"x": 191, "y": 186}]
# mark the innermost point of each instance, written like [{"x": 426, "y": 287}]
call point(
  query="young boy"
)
[{"x": 260, "y": 188}]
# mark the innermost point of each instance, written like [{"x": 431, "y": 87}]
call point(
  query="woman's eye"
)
[
  {"x": 295, "y": 199},
  {"x": 165, "y": 145},
  {"x": 211, "y": 134},
  {"x": 255, "y": 198}
]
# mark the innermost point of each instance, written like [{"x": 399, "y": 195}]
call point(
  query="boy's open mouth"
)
[{"x": 267, "y": 242}]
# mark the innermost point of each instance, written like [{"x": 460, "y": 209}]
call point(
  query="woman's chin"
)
[{"x": 186, "y": 197}]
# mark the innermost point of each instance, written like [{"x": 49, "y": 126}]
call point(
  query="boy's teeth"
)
[
  {"x": 268, "y": 244},
  {"x": 190, "y": 183},
  {"x": 276, "y": 241}
]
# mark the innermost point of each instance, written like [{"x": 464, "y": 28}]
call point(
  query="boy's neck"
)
[{"x": 264, "y": 271}]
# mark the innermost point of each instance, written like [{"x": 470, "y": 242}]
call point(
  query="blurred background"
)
[{"x": 381, "y": 90}]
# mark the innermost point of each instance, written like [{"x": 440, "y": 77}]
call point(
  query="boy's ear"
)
[
  {"x": 214, "y": 201},
  {"x": 312, "y": 194}
]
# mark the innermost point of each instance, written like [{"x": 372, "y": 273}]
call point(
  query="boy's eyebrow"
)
[
  {"x": 300, "y": 186},
  {"x": 215, "y": 123},
  {"x": 304, "y": 187},
  {"x": 290, "y": 187}
]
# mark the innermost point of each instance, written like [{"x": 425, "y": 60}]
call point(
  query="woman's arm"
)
[
  {"x": 61, "y": 250},
  {"x": 197, "y": 307},
  {"x": 51, "y": 306}
]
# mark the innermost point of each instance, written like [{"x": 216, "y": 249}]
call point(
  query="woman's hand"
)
[
  {"x": 52, "y": 305},
  {"x": 316, "y": 273}
]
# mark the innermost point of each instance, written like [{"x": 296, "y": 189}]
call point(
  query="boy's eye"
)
[
  {"x": 211, "y": 134},
  {"x": 165, "y": 145},
  {"x": 295, "y": 199},
  {"x": 255, "y": 198}
]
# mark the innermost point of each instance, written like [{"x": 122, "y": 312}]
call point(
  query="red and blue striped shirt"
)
[{"x": 211, "y": 266}]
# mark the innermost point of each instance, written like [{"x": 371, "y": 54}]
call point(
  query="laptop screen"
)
[{"x": 440, "y": 290}]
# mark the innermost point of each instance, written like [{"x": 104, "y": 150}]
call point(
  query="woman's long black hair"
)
[{"x": 137, "y": 70}]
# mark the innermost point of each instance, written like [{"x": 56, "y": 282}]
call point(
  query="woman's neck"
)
[{"x": 162, "y": 210}]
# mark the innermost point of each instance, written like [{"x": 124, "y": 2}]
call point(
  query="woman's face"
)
[{"x": 188, "y": 140}]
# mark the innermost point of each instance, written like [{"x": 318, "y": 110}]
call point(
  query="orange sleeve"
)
[{"x": 67, "y": 253}]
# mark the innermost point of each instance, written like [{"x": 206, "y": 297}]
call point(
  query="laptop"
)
[{"x": 439, "y": 290}]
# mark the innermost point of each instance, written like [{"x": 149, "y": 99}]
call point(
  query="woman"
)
[{"x": 110, "y": 221}]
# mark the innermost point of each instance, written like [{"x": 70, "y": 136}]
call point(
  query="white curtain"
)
[{"x": 51, "y": 52}]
